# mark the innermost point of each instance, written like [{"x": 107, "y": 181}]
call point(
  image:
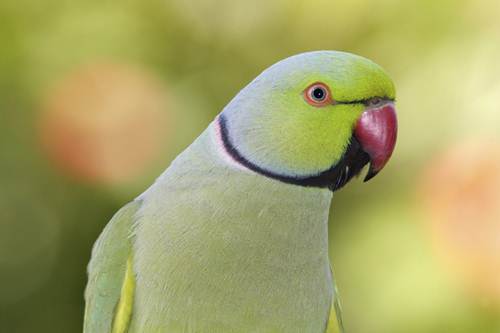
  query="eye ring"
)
[{"x": 318, "y": 94}]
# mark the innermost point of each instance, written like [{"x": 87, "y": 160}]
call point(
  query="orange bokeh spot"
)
[
  {"x": 105, "y": 123},
  {"x": 461, "y": 198}
]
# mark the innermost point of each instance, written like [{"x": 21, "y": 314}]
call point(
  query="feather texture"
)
[{"x": 109, "y": 275}]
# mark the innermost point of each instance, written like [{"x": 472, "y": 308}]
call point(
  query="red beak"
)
[{"x": 376, "y": 131}]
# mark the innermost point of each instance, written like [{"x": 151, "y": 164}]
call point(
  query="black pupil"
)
[{"x": 318, "y": 94}]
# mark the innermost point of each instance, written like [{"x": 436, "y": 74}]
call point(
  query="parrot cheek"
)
[{"x": 376, "y": 131}]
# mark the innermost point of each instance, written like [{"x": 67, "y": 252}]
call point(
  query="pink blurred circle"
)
[
  {"x": 105, "y": 123},
  {"x": 461, "y": 199}
]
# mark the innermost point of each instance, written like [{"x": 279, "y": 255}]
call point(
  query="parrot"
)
[{"x": 233, "y": 235}]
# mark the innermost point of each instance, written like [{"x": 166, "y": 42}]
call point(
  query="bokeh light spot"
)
[
  {"x": 461, "y": 198},
  {"x": 105, "y": 123}
]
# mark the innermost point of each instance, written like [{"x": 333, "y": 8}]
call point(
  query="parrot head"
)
[{"x": 314, "y": 119}]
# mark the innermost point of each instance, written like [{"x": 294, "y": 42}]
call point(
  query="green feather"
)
[{"x": 107, "y": 271}]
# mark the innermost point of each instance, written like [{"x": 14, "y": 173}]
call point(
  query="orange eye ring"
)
[{"x": 318, "y": 94}]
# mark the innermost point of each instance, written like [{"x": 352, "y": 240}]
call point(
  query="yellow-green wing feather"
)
[
  {"x": 110, "y": 288},
  {"x": 124, "y": 307},
  {"x": 334, "y": 324}
]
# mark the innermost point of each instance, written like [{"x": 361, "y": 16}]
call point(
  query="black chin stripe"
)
[{"x": 351, "y": 163}]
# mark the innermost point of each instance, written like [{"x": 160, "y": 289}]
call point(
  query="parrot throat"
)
[{"x": 351, "y": 163}]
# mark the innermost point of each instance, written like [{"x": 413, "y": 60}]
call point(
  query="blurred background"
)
[{"x": 97, "y": 97}]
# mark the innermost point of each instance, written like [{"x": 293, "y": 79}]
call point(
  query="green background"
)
[{"x": 393, "y": 269}]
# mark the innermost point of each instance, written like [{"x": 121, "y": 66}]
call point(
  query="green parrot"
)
[{"x": 233, "y": 236}]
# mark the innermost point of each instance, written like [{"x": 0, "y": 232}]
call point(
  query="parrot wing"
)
[
  {"x": 110, "y": 288},
  {"x": 334, "y": 324}
]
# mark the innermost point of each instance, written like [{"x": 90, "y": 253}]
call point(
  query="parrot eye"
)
[
  {"x": 374, "y": 102},
  {"x": 318, "y": 94}
]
